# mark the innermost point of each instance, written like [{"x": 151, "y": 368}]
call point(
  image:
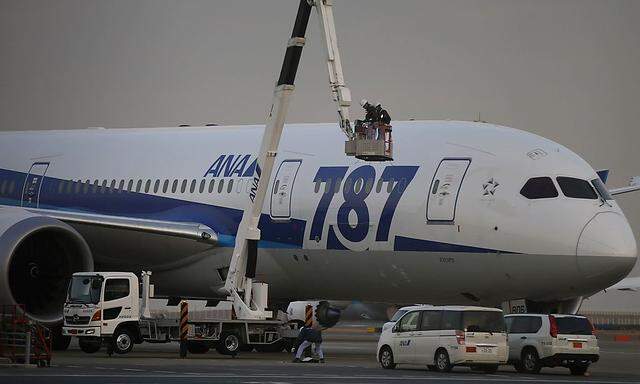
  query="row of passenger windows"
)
[
  {"x": 7, "y": 187},
  {"x": 146, "y": 186},
  {"x": 334, "y": 185},
  {"x": 544, "y": 188}
]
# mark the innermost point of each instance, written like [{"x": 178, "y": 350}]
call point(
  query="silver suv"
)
[{"x": 537, "y": 341}]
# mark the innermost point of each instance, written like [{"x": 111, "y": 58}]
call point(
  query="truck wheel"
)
[
  {"x": 530, "y": 361},
  {"x": 442, "y": 362},
  {"x": 578, "y": 369},
  {"x": 122, "y": 341},
  {"x": 89, "y": 344},
  {"x": 229, "y": 344},
  {"x": 197, "y": 347}
]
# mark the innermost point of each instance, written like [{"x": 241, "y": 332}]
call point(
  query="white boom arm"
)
[
  {"x": 339, "y": 91},
  {"x": 243, "y": 261}
]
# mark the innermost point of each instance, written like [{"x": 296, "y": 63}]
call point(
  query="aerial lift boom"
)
[{"x": 249, "y": 297}]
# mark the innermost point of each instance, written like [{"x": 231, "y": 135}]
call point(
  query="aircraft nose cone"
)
[{"x": 607, "y": 248}]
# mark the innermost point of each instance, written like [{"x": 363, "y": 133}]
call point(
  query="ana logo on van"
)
[{"x": 232, "y": 166}]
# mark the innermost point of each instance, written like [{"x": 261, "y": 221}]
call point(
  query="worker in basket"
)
[{"x": 365, "y": 128}]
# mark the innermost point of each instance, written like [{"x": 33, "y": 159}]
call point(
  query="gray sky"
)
[{"x": 564, "y": 69}]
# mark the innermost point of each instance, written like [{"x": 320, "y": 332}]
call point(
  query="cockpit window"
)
[
  {"x": 576, "y": 188},
  {"x": 539, "y": 188},
  {"x": 602, "y": 190}
]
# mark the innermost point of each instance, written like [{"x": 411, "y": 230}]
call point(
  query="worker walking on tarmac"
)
[{"x": 310, "y": 336}]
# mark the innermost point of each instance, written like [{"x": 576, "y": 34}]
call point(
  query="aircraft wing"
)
[
  {"x": 193, "y": 231},
  {"x": 634, "y": 185},
  {"x": 628, "y": 284}
]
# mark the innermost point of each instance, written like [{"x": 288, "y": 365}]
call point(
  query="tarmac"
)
[{"x": 350, "y": 358}]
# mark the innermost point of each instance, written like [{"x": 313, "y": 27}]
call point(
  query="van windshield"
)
[
  {"x": 574, "y": 326},
  {"x": 85, "y": 289},
  {"x": 398, "y": 314}
]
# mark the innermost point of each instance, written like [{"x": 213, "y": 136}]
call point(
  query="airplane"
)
[{"x": 466, "y": 213}]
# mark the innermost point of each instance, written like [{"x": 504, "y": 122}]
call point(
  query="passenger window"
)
[
  {"x": 192, "y": 188},
  {"x": 379, "y": 186},
  {"x": 202, "y": 185},
  {"x": 147, "y": 186},
  {"x": 165, "y": 186},
  {"x": 220, "y": 186},
  {"x": 230, "y": 186},
  {"x": 409, "y": 322},
  {"x": 576, "y": 188},
  {"x": 390, "y": 185},
  {"x": 183, "y": 187},
  {"x": 602, "y": 189},
  {"x": 452, "y": 320},
  {"x": 368, "y": 187},
  {"x": 539, "y": 188},
  {"x": 174, "y": 187},
  {"x": 69, "y": 185},
  {"x": 121, "y": 186},
  {"x": 316, "y": 189},
  {"x": 212, "y": 184},
  {"x": 336, "y": 187},
  {"x": 116, "y": 289},
  {"x": 357, "y": 186},
  {"x": 130, "y": 185},
  {"x": 156, "y": 186},
  {"x": 96, "y": 184},
  {"x": 139, "y": 185},
  {"x": 60, "y": 186},
  {"x": 431, "y": 320},
  {"x": 85, "y": 187},
  {"x": 113, "y": 186},
  {"x": 327, "y": 187}
]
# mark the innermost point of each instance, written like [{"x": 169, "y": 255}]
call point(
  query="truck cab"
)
[{"x": 103, "y": 305}]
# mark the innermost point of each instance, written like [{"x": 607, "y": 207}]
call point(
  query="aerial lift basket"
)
[{"x": 371, "y": 142}]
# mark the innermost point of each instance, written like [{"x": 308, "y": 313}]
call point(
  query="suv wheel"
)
[
  {"x": 442, "y": 362},
  {"x": 386, "y": 358},
  {"x": 530, "y": 361},
  {"x": 578, "y": 369}
]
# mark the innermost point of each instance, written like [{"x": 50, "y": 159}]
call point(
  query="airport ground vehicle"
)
[
  {"x": 537, "y": 341},
  {"x": 444, "y": 336},
  {"x": 105, "y": 308}
]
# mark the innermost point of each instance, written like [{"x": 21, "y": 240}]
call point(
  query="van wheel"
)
[
  {"x": 578, "y": 369},
  {"x": 386, "y": 358},
  {"x": 122, "y": 341},
  {"x": 530, "y": 361},
  {"x": 230, "y": 344},
  {"x": 89, "y": 344},
  {"x": 442, "y": 362}
]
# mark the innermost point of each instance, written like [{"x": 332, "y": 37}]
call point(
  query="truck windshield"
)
[
  {"x": 483, "y": 321},
  {"x": 85, "y": 289}
]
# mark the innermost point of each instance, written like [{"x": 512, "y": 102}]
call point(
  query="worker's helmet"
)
[
  {"x": 378, "y": 104},
  {"x": 363, "y": 102}
]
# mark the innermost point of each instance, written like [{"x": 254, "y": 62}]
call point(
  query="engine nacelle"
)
[
  {"x": 38, "y": 255},
  {"x": 322, "y": 313}
]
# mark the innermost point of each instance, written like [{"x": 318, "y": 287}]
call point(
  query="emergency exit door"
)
[
  {"x": 33, "y": 185},
  {"x": 444, "y": 190},
  {"x": 283, "y": 188}
]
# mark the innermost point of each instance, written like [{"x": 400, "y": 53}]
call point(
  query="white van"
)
[{"x": 441, "y": 337}]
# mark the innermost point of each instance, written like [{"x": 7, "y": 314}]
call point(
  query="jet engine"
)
[
  {"x": 322, "y": 313},
  {"x": 38, "y": 255}
]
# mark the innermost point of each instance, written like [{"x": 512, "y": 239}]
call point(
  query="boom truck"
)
[{"x": 107, "y": 306}]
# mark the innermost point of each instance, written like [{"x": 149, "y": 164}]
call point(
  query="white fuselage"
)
[{"x": 445, "y": 222}]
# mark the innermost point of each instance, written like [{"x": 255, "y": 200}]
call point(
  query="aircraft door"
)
[
  {"x": 444, "y": 190},
  {"x": 33, "y": 185},
  {"x": 283, "y": 189}
]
